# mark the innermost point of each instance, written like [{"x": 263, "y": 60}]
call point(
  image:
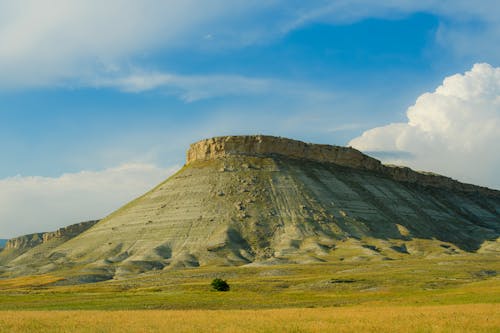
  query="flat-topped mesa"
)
[{"x": 263, "y": 145}]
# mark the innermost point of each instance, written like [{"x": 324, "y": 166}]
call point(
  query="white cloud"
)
[
  {"x": 192, "y": 88},
  {"x": 346, "y": 127},
  {"x": 48, "y": 42},
  {"x": 66, "y": 42},
  {"x": 453, "y": 130},
  {"x": 35, "y": 204}
]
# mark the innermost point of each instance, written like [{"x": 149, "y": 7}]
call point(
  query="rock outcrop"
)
[
  {"x": 24, "y": 242},
  {"x": 29, "y": 241},
  {"x": 262, "y": 145},
  {"x": 69, "y": 231}
]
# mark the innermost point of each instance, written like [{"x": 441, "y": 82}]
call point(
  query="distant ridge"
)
[
  {"x": 15, "y": 248},
  {"x": 32, "y": 240},
  {"x": 262, "y": 200}
]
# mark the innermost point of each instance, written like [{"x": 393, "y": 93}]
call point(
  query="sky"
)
[{"x": 99, "y": 100}]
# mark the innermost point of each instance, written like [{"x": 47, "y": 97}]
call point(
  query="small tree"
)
[{"x": 220, "y": 285}]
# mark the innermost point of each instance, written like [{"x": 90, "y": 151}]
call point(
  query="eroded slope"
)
[{"x": 247, "y": 209}]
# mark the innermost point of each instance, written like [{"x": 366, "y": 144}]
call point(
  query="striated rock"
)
[
  {"x": 32, "y": 240},
  {"x": 69, "y": 231},
  {"x": 24, "y": 242},
  {"x": 262, "y": 145},
  {"x": 407, "y": 175}
]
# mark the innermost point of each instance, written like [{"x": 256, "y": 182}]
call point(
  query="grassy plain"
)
[
  {"x": 444, "y": 294},
  {"x": 447, "y": 318}
]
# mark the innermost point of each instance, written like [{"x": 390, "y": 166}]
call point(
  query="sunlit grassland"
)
[
  {"x": 449, "y": 294},
  {"x": 445, "y": 318},
  {"x": 446, "y": 280}
]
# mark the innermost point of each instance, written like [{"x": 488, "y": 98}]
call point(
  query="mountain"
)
[
  {"x": 260, "y": 200},
  {"x": 38, "y": 244}
]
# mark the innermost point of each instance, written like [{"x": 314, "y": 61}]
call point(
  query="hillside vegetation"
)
[
  {"x": 460, "y": 279},
  {"x": 450, "y": 294}
]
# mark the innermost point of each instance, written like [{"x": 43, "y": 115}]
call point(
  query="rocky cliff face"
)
[
  {"x": 261, "y": 145},
  {"x": 32, "y": 240},
  {"x": 69, "y": 232},
  {"x": 24, "y": 242}
]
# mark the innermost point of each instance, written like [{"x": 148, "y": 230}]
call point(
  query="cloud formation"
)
[
  {"x": 36, "y": 204},
  {"x": 55, "y": 42},
  {"x": 453, "y": 130},
  {"x": 191, "y": 88}
]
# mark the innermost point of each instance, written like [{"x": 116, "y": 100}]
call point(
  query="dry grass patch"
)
[
  {"x": 448, "y": 318},
  {"x": 29, "y": 281}
]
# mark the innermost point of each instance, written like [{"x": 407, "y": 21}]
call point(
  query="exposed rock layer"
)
[
  {"x": 69, "y": 231},
  {"x": 24, "y": 242},
  {"x": 261, "y": 145},
  {"x": 238, "y": 201},
  {"x": 32, "y": 240}
]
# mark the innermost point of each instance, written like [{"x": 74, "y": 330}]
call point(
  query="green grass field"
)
[{"x": 453, "y": 285}]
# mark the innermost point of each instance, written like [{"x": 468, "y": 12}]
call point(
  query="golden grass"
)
[
  {"x": 445, "y": 318},
  {"x": 28, "y": 281}
]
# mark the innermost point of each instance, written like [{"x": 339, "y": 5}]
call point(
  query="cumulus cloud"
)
[
  {"x": 35, "y": 204},
  {"x": 453, "y": 130}
]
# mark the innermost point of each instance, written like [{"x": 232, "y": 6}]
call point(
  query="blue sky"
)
[{"x": 122, "y": 87}]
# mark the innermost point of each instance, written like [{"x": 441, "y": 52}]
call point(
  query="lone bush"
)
[{"x": 220, "y": 285}]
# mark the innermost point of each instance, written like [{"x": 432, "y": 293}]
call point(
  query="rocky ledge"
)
[
  {"x": 32, "y": 240},
  {"x": 262, "y": 145}
]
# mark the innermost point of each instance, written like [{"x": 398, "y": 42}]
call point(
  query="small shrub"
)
[{"x": 220, "y": 285}]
